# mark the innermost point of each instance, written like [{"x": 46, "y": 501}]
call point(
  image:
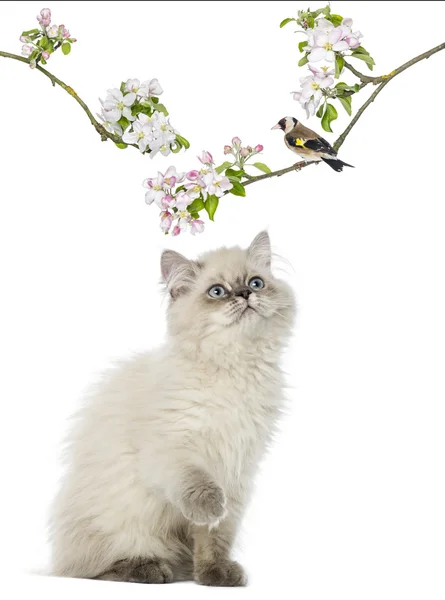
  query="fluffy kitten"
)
[{"x": 162, "y": 456}]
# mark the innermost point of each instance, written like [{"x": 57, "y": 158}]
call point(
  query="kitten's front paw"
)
[
  {"x": 204, "y": 504},
  {"x": 225, "y": 573}
]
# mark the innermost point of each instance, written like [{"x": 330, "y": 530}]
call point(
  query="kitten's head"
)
[{"x": 227, "y": 293}]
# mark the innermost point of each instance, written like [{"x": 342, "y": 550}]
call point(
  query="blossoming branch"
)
[{"x": 132, "y": 115}]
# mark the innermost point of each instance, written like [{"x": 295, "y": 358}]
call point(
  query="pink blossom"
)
[
  {"x": 197, "y": 226},
  {"x": 176, "y": 230},
  {"x": 227, "y": 149},
  {"x": 206, "y": 158},
  {"x": 182, "y": 200},
  {"x": 236, "y": 142},
  {"x": 219, "y": 185},
  {"x": 197, "y": 187},
  {"x": 27, "y": 50},
  {"x": 45, "y": 17},
  {"x": 24, "y": 39},
  {"x": 259, "y": 148},
  {"x": 244, "y": 152},
  {"x": 45, "y": 55}
]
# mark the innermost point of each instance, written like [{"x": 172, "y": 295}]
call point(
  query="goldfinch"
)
[{"x": 308, "y": 144}]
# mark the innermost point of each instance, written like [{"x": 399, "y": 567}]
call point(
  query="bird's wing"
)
[{"x": 303, "y": 137}]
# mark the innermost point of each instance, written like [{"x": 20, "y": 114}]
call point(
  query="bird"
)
[{"x": 308, "y": 144}]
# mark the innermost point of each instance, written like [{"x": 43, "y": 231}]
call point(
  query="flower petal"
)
[
  {"x": 335, "y": 35},
  {"x": 330, "y": 56},
  {"x": 317, "y": 54},
  {"x": 320, "y": 39},
  {"x": 340, "y": 46},
  {"x": 129, "y": 99}
]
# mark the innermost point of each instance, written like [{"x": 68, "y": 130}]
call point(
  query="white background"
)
[{"x": 350, "y": 502}]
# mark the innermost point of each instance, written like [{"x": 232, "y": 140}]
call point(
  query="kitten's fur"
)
[{"x": 161, "y": 457}]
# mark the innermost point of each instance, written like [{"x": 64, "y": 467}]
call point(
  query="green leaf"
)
[
  {"x": 195, "y": 215},
  {"x": 339, "y": 64},
  {"x": 285, "y": 22},
  {"x": 346, "y": 87},
  {"x": 161, "y": 108},
  {"x": 122, "y": 87},
  {"x": 330, "y": 115},
  {"x": 303, "y": 61},
  {"x": 185, "y": 143},
  {"x": 66, "y": 48},
  {"x": 320, "y": 111},
  {"x": 234, "y": 174},
  {"x": 154, "y": 99},
  {"x": 365, "y": 57},
  {"x": 346, "y": 102},
  {"x": 238, "y": 189},
  {"x": 302, "y": 45},
  {"x": 197, "y": 205},
  {"x": 124, "y": 123},
  {"x": 43, "y": 61},
  {"x": 211, "y": 204},
  {"x": 334, "y": 19},
  {"x": 310, "y": 21},
  {"x": 262, "y": 167},
  {"x": 121, "y": 145},
  {"x": 361, "y": 50},
  {"x": 323, "y": 11},
  {"x": 30, "y": 31},
  {"x": 223, "y": 167},
  {"x": 43, "y": 43}
]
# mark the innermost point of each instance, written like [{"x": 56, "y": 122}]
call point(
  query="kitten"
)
[{"x": 162, "y": 456}]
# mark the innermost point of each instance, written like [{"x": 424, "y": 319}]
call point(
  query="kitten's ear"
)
[
  {"x": 259, "y": 250},
  {"x": 178, "y": 272}
]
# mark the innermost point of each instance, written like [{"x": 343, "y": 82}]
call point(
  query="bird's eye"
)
[
  {"x": 256, "y": 283},
  {"x": 216, "y": 291}
]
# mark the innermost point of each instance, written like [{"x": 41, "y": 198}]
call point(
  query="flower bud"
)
[
  {"x": 45, "y": 17},
  {"x": 166, "y": 220},
  {"x": 227, "y": 149},
  {"x": 236, "y": 142},
  {"x": 244, "y": 152},
  {"x": 63, "y": 31},
  {"x": 206, "y": 158},
  {"x": 259, "y": 148},
  {"x": 25, "y": 39},
  {"x": 197, "y": 226},
  {"x": 32, "y": 64},
  {"x": 45, "y": 55},
  {"x": 176, "y": 230},
  {"x": 192, "y": 175}
]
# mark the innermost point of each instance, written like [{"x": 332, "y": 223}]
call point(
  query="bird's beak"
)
[{"x": 277, "y": 126}]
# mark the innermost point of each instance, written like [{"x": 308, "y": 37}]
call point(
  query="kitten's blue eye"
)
[
  {"x": 256, "y": 283},
  {"x": 216, "y": 291}
]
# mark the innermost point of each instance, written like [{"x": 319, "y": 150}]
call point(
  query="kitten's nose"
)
[{"x": 244, "y": 292}]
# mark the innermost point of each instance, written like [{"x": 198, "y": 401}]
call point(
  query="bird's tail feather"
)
[{"x": 336, "y": 163}]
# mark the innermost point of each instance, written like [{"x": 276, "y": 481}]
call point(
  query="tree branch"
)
[
  {"x": 104, "y": 134},
  {"x": 365, "y": 79}
]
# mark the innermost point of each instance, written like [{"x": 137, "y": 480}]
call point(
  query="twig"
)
[{"x": 104, "y": 134}]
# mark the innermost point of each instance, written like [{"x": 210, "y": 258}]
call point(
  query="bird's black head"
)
[{"x": 286, "y": 124}]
